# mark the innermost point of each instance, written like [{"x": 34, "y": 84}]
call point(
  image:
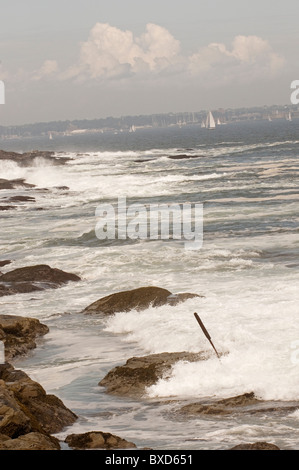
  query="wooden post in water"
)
[{"x": 205, "y": 332}]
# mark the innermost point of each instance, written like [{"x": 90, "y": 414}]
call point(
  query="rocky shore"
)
[{"x": 29, "y": 417}]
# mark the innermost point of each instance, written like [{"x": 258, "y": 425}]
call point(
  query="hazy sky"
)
[{"x": 69, "y": 59}]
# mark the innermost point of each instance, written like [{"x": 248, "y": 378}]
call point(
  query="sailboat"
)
[
  {"x": 203, "y": 124},
  {"x": 50, "y": 136},
  {"x": 210, "y": 121},
  {"x": 289, "y": 117}
]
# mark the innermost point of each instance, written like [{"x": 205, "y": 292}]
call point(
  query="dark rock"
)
[
  {"x": 184, "y": 156},
  {"x": 29, "y": 158},
  {"x": 138, "y": 373},
  {"x": 7, "y": 208},
  {"x": 256, "y": 446},
  {"x": 19, "y": 334},
  {"x": 25, "y": 406},
  {"x": 18, "y": 288},
  {"x": 247, "y": 403},
  {"x": 33, "y": 278},
  {"x": 15, "y": 183},
  {"x": 175, "y": 299},
  {"x": 62, "y": 188},
  {"x": 4, "y": 262},
  {"x": 30, "y": 441},
  {"x": 21, "y": 199},
  {"x": 220, "y": 407},
  {"x": 138, "y": 299},
  {"x": 97, "y": 440}
]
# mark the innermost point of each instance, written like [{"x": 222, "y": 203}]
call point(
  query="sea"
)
[{"x": 245, "y": 176}]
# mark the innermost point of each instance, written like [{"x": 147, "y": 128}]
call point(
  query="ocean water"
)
[{"x": 246, "y": 176}]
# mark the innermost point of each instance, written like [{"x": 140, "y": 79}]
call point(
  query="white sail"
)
[{"x": 210, "y": 122}]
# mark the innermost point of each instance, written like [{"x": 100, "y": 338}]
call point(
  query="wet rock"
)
[
  {"x": 4, "y": 262},
  {"x": 183, "y": 156},
  {"x": 30, "y": 441},
  {"x": 21, "y": 199},
  {"x": 25, "y": 406},
  {"x": 19, "y": 334},
  {"x": 33, "y": 278},
  {"x": 7, "y": 208},
  {"x": 98, "y": 440},
  {"x": 247, "y": 403},
  {"x": 15, "y": 183},
  {"x": 256, "y": 446},
  {"x": 132, "y": 378},
  {"x": 29, "y": 158},
  {"x": 138, "y": 299},
  {"x": 225, "y": 406},
  {"x": 18, "y": 288},
  {"x": 62, "y": 188}
]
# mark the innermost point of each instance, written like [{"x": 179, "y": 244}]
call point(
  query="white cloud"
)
[
  {"x": 111, "y": 52},
  {"x": 48, "y": 68},
  {"x": 250, "y": 57}
]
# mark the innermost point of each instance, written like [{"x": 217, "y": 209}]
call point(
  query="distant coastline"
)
[{"x": 133, "y": 123}]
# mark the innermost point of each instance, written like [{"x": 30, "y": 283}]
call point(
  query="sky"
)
[{"x": 86, "y": 59}]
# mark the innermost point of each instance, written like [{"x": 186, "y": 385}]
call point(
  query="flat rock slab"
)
[
  {"x": 247, "y": 403},
  {"x": 97, "y": 440},
  {"x": 139, "y": 299},
  {"x": 256, "y": 446},
  {"x": 34, "y": 278},
  {"x": 132, "y": 378},
  {"x": 19, "y": 334}
]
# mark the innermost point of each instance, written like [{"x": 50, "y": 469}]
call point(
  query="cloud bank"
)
[{"x": 110, "y": 53}]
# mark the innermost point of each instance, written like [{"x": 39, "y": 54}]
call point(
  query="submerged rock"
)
[
  {"x": 29, "y": 158},
  {"x": 184, "y": 156},
  {"x": 132, "y": 378},
  {"x": 98, "y": 440},
  {"x": 15, "y": 183},
  {"x": 4, "y": 262},
  {"x": 247, "y": 403},
  {"x": 21, "y": 199},
  {"x": 220, "y": 407},
  {"x": 7, "y": 208},
  {"x": 33, "y": 278},
  {"x": 19, "y": 334},
  {"x": 139, "y": 299},
  {"x": 255, "y": 446}
]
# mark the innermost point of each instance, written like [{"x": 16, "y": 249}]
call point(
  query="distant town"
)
[{"x": 133, "y": 123}]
